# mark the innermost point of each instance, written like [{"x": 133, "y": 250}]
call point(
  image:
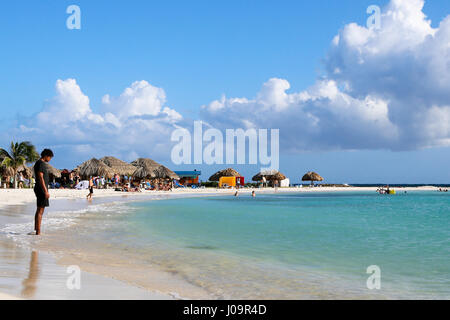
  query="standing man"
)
[{"x": 41, "y": 187}]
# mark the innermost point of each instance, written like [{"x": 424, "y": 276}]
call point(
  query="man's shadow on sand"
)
[{"x": 29, "y": 284}]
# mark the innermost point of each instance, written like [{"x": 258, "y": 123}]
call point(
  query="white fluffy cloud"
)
[
  {"x": 135, "y": 123},
  {"x": 385, "y": 88},
  {"x": 321, "y": 117}
]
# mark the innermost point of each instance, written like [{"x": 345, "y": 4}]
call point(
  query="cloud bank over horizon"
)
[
  {"x": 136, "y": 123},
  {"x": 382, "y": 89}
]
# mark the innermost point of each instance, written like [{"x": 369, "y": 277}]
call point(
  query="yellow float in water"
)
[{"x": 391, "y": 191}]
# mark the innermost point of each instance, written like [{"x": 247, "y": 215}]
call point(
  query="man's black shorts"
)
[{"x": 41, "y": 200}]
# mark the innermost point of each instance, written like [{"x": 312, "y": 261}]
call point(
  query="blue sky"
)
[{"x": 198, "y": 51}]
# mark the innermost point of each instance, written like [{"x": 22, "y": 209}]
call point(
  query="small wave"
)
[
  {"x": 205, "y": 247},
  {"x": 57, "y": 220}
]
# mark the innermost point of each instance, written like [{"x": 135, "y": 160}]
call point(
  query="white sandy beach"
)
[
  {"x": 100, "y": 286},
  {"x": 23, "y": 196}
]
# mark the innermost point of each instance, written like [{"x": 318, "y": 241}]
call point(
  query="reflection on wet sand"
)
[{"x": 29, "y": 284}]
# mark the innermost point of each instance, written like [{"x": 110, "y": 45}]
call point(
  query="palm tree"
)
[{"x": 19, "y": 154}]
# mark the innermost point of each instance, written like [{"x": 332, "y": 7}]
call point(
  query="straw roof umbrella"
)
[
  {"x": 165, "y": 173},
  {"x": 269, "y": 175},
  {"x": 312, "y": 176},
  {"x": 51, "y": 170},
  {"x": 230, "y": 172},
  {"x": 141, "y": 162},
  {"x": 95, "y": 167},
  {"x": 120, "y": 167},
  {"x": 26, "y": 172},
  {"x": 148, "y": 168},
  {"x": 145, "y": 168},
  {"x": 9, "y": 171}
]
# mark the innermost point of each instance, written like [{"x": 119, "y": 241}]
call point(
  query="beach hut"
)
[
  {"x": 227, "y": 182},
  {"x": 224, "y": 173},
  {"x": 312, "y": 176},
  {"x": 119, "y": 167},
  {"x": 94, "y": 168},
  {"x": 188, "y": 177}
]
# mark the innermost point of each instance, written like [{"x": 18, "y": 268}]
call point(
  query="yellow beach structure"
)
[{"x": 228, "y": 181}]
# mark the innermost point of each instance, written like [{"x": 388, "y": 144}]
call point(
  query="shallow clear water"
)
[
  {"x": 322, "y": 242},
  {"x": 274, "y": 246}
]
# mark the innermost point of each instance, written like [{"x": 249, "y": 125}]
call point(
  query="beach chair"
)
[{"x": 178, "y": 185}]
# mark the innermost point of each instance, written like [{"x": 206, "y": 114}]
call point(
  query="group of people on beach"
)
[
  {"x": 384, "y": 190},
  {"x": 21, "y": 180}
]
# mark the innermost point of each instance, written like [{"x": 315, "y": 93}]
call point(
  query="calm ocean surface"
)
[
  {"x": 299, "y": 245},
  {"x": 274, "y": 246}
]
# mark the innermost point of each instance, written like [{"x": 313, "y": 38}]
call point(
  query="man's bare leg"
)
[{"x": 38, "y": 220}]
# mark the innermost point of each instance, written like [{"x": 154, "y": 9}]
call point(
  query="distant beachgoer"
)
[
  {"x": 236, "y": 194},
  {"x": 21, "y": 180},
  {"x": 253, "y": 194},
  {"x": 41, "y": 188},
  {"x": 91, "y": 189}
]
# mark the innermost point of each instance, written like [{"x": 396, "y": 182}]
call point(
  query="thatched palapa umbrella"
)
[
  {"x": 95, "y": 167},
  {"x": 23, "y": 169},
  {"x": 26, "y": 172},
  {"x": 52, "y": 171},
  {"x": 230, "y": 172},
  {"x": 312, "y": 176},
  {"x": 165, "y": 173},
  {"x": 145, "y": 168},
  {"x": 150, "y": 169},
  {"x": 270, "y": 175},
  {"x": 120, "y": 167}
]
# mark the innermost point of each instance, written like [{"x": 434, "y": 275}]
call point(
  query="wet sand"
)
[{"x": 29, "y": 272}]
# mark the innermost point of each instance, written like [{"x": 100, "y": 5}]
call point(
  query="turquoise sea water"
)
[{"x": 299, "y": 245}]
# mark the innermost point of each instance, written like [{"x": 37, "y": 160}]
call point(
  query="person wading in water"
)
[
  {"x": 41, "y": 187},
  {"x": 91, "y": 189}
]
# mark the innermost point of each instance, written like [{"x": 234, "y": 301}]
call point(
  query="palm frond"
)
[{"x": 4, "y": 154}]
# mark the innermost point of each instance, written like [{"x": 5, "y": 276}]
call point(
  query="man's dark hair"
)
[{"x": 47, "y": 153}]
